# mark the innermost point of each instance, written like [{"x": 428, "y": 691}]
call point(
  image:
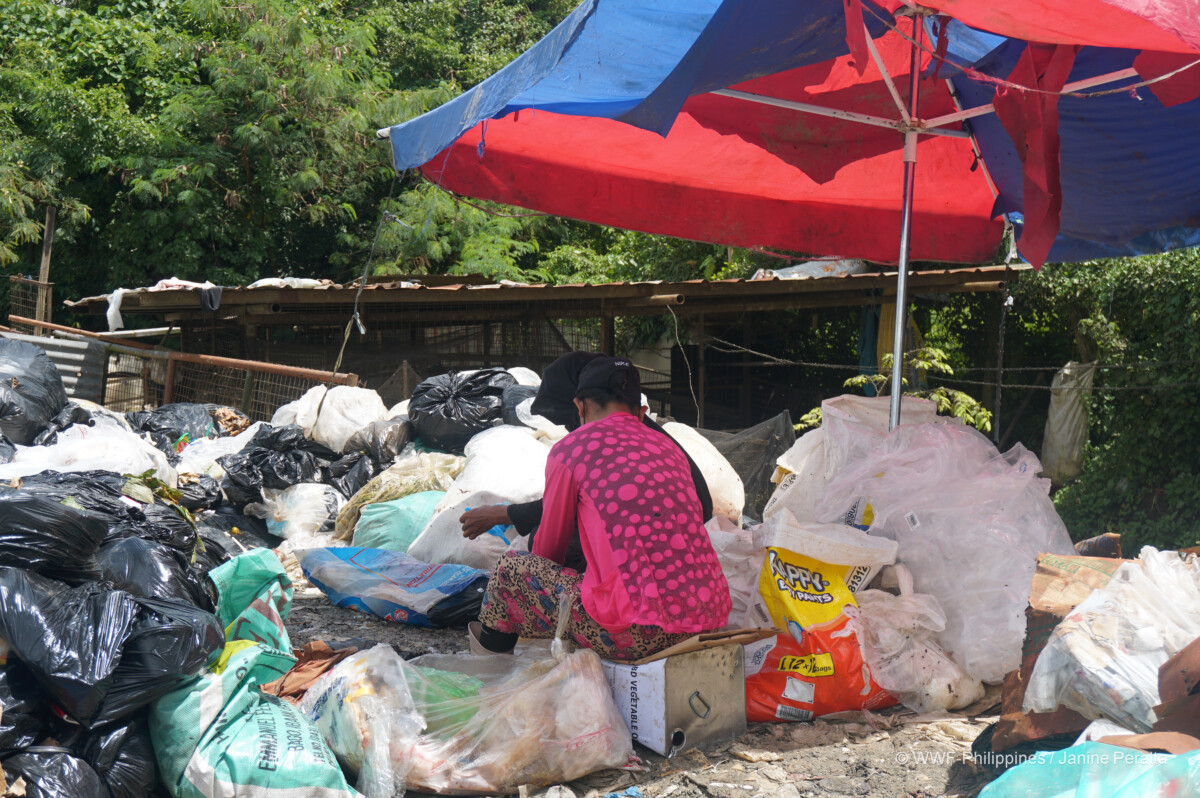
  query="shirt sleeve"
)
[
  {"x": 559, "y": 506},
  {"x": 525, "y": 517}
]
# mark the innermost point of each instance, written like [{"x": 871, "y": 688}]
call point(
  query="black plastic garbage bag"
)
[
  {"x": 276, "y": 457},
  {"x": 349, "y": 474},
  {"x": 172, "y": 427},
  {"x": 107, "y": 495},
  {"x": 122, "y": 756},
  {"x": 31, "y": 390},
  {"x": 24, "y": 713},
  {"x": 147, "y": 569},
  {"x": 98, "y": 492},
  {"x": 54, "y": 772},
  {"x": 450, "y": 409},
  {"x": 234, "y": 531},
  {"x": 8, "y": 449},
  {"x": 159, "y": 522},
  {"x": 290, "y": 438},
  {"x": 383, "y": 440},
  {"x": 199, "y": 492},
  {"x": 461, "y": 608},
  {"x": 513, "y": 395},
  {"x": 70, "y": 638},
  {"x": 69, "y": 416},
  {"x": 170, "y": 642},
  {"x": 41, "y": 535},
  {"x": 242, "y": 484}
]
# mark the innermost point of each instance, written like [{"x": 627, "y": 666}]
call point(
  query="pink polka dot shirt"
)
[{"x": 629, "y": 491}]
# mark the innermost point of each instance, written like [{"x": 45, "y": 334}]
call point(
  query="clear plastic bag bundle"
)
[
  {"x": 1103, "y": 659},
  {"x": 100, "y": 448},
  {"x": 304, "y": 513},
  {"x": 970, "y": 523},
  {"x": 491, "y": 724},
  {"x": 897, "y": 638}
]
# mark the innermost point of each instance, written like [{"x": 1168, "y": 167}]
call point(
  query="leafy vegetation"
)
[
  {"x": 923, "y": 360},
  {"x": 231, "y": 141}
]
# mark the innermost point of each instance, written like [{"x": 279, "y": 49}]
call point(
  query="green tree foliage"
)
[
  {"x": 925, "y": 360},
  {"x": 1138, "y": 318}
]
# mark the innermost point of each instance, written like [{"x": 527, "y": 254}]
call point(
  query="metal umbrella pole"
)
[{"x": 910, "y": 167}]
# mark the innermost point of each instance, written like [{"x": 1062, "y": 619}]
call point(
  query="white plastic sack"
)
[
  {"x": 897, "y": 638},
  {"x": 741, "y": 561},
  {"x": 330, "y": 416},
  {"x": 524, "y": 376},
  {"x": 545, "y": 429},
  {"x": 113, "y": 315},
  {"x": 303, "y": 514},
  {"x": 104, "y": 447},
  {"x": 1067, "y": 422},
  {"x": 505, "y": 465},
  {"x": 200, "y": 457},
  {"x": 853, "y": 424},
  {"x": 302, "y": 412},
  {"x": 970, "y": 523},
  {"x": 1102, "y": 660},
  {"x": 344, "y": 412},
  {"x": 399, "y": 409},
  {"x": 490, "y": 724},
  {"x": 800, "y": 488},
  {"x": 724, "y": 484}
]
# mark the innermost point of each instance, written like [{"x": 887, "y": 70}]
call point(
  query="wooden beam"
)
[{"x": 42, "y": 312}]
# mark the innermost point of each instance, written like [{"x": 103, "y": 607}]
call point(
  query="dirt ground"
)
[{"x": 892, "y": 754}]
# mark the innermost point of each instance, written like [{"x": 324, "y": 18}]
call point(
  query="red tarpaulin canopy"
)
[{"x": 747, "y": 174}]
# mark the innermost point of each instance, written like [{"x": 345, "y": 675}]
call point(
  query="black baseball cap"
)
[
  {"x": 615, "y": 374},
  {"x": 560, "y": 381}
]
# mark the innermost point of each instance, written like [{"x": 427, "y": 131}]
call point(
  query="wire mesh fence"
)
[
  {"x": 139, "y": 379},
  {"x": 399, "y": 349},
  {"x": 29, "y": 299},
  {"x": 257, "y": 389},
  {"x": 134, "y": 380}
]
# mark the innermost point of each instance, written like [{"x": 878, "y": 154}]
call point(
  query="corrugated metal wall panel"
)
[{"x": 81, "y": 363}]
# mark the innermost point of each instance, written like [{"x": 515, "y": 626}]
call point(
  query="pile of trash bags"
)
[{"x": 148, "y": 562}]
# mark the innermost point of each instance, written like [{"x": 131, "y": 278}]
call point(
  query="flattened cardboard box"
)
[{"x": 691, "y": 694}]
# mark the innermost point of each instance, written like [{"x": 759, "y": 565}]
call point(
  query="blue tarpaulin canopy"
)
[{"x": 778, "y": 123}]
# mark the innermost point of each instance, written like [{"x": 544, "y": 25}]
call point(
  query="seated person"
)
[
  {"x": 652, "y": 576},
  {"x": 555, "y": 401}
]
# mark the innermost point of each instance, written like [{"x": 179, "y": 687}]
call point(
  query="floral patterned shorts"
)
[{"x": 523, "y": 598}]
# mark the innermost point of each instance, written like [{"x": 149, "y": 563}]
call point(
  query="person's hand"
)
[{"x": 481, "y": 519}]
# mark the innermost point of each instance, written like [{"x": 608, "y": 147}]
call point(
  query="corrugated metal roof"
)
[
  {"x": 80, "y": 363},
  {"x": 180, "y": 299}
]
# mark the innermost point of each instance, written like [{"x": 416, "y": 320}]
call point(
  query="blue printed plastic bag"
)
[{"x": 394, "y": 586}]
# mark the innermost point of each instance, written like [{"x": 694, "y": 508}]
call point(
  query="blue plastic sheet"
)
[
  {"x": 394, "y": 586},
  {"x": 638, "y": 62},
  {"x": 1095, "y": 770},
  {"x": 1130, "y": 178}
]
